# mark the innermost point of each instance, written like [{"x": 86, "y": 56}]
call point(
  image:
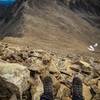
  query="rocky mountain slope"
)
[
  {"x": 51, "y": 25},
  {"x": 87, "y": 9}
]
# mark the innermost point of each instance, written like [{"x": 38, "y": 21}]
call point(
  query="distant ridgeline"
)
[{"x": 87, "y": 9}]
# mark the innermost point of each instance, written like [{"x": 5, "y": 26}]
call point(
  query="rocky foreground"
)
[{"x": 22, "y": 71}]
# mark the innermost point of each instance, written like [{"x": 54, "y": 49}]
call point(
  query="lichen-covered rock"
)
[{"x": 15, "y": 77}]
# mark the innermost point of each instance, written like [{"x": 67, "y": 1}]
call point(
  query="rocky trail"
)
[
  {"x": 22, "y": 71},
  {"x": 51, "y": 38}
]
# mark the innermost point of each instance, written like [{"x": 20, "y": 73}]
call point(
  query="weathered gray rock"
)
[{"x": 15, "y": 77}]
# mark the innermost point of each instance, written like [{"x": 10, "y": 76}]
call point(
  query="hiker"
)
[
  {"x": 6, "y": 8},
  {"x": 77, "y": 89}
]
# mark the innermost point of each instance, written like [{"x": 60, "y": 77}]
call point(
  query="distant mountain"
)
[{"x": 87, "y": 9}]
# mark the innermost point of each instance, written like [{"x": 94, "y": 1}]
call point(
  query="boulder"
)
[{"x": 15, "y": 77}]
